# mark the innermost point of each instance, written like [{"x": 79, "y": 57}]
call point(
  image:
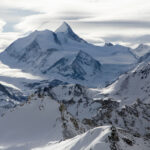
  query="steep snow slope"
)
[
  {"x": 77, "y": 98},
  {"x": 94, "y": 139},
  {"x": 104, "y": 137},
  {"x": 144, "y": 58},
  {"x": 66, "y": 30},
  {"x": 77, "y": 67},
  {"x": 55, "y": 113},
  {"x": 9, "y": 97},
  {"x": 143, "y": 53},
  {"x": 141, "y": 50},
  {"x": 131, "y": 86},
  {"x": 29, "y": 125},
  {"x": 35, "y": 123},
  {"x": 86, "y": 105}
]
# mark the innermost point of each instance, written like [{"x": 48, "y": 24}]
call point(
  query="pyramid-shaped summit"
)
[
  {"x": 64, "y": 27},
  {"x": 67, "y": 31}
]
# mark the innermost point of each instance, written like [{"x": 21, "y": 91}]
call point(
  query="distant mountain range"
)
[{"x": 63, "y": 55}]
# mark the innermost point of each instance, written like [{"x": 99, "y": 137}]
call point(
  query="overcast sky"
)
[{"x": 119, "y": 21}]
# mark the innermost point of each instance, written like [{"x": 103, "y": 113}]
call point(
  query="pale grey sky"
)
[{"x": 126, "y": 22}]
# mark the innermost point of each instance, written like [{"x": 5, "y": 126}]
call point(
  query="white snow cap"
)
[{"x": 63, "y": 28}]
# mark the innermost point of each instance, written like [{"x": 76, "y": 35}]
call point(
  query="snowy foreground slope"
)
[
  {"x": 54, "y": 114},
  {"x": 104, "y": 137},
  {"x": 35, "y": 123}
]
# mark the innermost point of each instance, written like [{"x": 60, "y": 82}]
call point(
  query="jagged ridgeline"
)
[{"x": 65, "y": 56}]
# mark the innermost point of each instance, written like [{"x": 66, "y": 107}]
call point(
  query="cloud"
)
[
  {"x": 13, "y": 16},
  {"x": 49, "y": 21},
  {"x": 119, "y": 23},
  {"x": 35, "y": 22},
  {"x": 125, "y": 32},
  {"x": 103, "y": 9},
  {"x": 74, "y": 15},
  {"x": 129, "y": 39},
  {"x": 7, "y": 38},
  {"x": 2, "y": 24},
  {"x": 91, "y": 19}
]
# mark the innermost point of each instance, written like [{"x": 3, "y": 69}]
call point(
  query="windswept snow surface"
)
[
  {"x": 94, "y": 139},
  {"x": 63, "y": 28},
  {"x": 52, "y": 112},
  {"x": 141, "y": 50},
  {"x": 100, "y": 139},
  {"x": 131, "y": 86},
  {"x": 35, "y": 123}
]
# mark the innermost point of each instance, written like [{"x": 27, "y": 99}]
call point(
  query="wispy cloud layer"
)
[
  {"x": 94, "y": 20},
  {"x": 2, "y": 24}
]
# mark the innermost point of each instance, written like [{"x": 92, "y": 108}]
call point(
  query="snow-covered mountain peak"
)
[
  {"x": 44, "y": 40},
  {"x": 142, "y": 50},
  {"x": 109, "y": 44},
  {"x": 140, "y": 46},
  {"x": 66, "y": 31},
  {"x": 38, "y": 52},
  {"x": 131, "y": 86},
  {"x": 64, "y": 27}
]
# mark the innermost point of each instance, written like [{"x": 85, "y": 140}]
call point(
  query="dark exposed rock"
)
[
  {"x": 129, "y": 142},
  {"x": 113, "y": 138},
  {"x": 76, "y": 69}
]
